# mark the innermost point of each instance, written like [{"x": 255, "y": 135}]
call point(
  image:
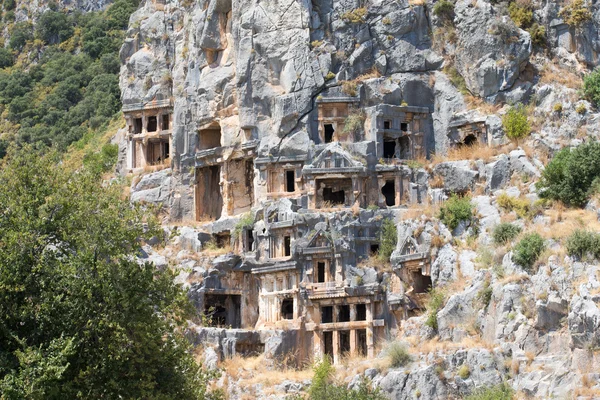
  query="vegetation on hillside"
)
[
  {"x": 572, "y": 176},
  {"x": 324, "y": 387},
  {"x": 79, "y": 317},
  {"x": 59, "y": 79}
]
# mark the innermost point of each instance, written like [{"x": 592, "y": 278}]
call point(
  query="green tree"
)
[
  {"x": 515, "y": 123},
  {"x": 591, "y": 87},
  {"x": 79, "y": 317},
  {"x": 54, "y": 27},
  {"x": 572, "y": 175},
  {"x": 455, "y": 210},
  {"x": 528, "y": 250},
  {"x": 324, "y": 387},
  {"x": 388, "y": 238}
]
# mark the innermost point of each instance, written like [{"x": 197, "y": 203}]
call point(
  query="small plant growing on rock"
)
[
  {"x": 386, "y": 21},
  {"x": 515, "y": 123},
  {"x": 591, "y": 87},
  {"x": 528, "y": 250},
  {"x": 355, "y": 16},
  {"x": 398, "y": 355},
  {"x": 558, "y": 107},
  {"x": 354, "y": 122},
  {"x": 581, "y": 109},
  {"x": 505, "y": 232},
  {"x": 576, "y": 13},
  {"x": 464, "y": 372},
  {"x": 500, "y": 392},
  {"x": 522, "y": 16},
  {"x": 436, "y": 301},
  {"x": 538, "y": 34},
  {"x": 444, "y": 10},
  {"x": 330, "y": 75},
  {"x": 316, "y": 43},
  {"x": 350, "y": 88},
  {"x": 388, "y": 239},
  {"x": 583, "y": 243},
  {"x": 484, "y": 296},
  {"x": 455, "y": 210}
]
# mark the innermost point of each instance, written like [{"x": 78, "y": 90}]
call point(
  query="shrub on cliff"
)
[
  {"x": 515, "y": 123},
  {"x": 572, "y": 176},
  {"x": 455, "y": 210},
  {"x": 528, "y": 250}
]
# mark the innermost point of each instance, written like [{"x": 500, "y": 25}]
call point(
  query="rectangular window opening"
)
[
  {"x": 290, "y": 181},
  {"x": 165, "y": 122},
  {"x": 329, "y": 133},
  {"x": 152, "y": 124},
  {"x": 361, "y": 312},
  {"x": 287, "y": 246},
  {"x": 320, "y": 272},
  {"x": 326, "y": 314},
  {"x": 344, "y": 313}
]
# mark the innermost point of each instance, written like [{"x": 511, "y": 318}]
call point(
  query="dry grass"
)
[
  {"x": 552, "y": 73},
  {"x": 477, "y": 151},
  {"x": 435, "y": 345},
  {"x": 437, "y": 182},
  {"x": 415, "y": 211},
  {"x": 253, "y": 371},
  {"x": 565, "y": 221},
  {"x": 515, "y": 278},
  {"x": 477, "y": 103}
]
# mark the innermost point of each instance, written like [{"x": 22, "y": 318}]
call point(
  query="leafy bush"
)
[
  {"x": 436, "y": 301},
  {"x": 455, "y": 210},
  {"x": 398, "y": 355},
  {"x": 576, "y": 13},
  {"x": 54, "y": 27},
  {"x": 20, "y": 34},
  {"x": 591, "y": 87},
  {"x": 354, "y": 122},
  {"x": 355, "y": 16},
  {"x": 522, "y": 207},
  {"x": 464, "y": 372},
  {"x": 485, "y": 294},
  {"x": 528, "y": 250},
  {"x": 6, "y": 58},
  {"x": 500, "y": 392},
  {"x": 323, "y": 386},
  {"x": 521, "y": 16},
  {"x": 583, "y": 243},
  {"x": 515, "y": 123},
  {"x": 388, "y": 239},
  {"x": 444, "y": 9},
  {"x": 457, "y": 79},
  {"x": 538, "y": 34},
  {"x": 505, "y": 232},
  {"x": 571, "y": 175},
  {"x": 79, "y": 302}
]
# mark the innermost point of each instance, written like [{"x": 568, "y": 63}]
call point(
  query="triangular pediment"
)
[
  {"x": 320, "y": 239},
  {"x": 335, "y": 156}
]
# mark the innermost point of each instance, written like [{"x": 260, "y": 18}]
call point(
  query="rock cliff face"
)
[{"x": 290, "y": 131}]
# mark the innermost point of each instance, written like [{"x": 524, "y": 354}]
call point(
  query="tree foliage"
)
[
  {"x": 388, "y": 239},
  {"x": 572, "y": 175},
  {"x": 505, "y": 232},
  {"x": 528, "y": 250},
  {"x": 73, "y": 85},
  {"x": 591, "y": 87},
  {"x": 583, "y": 244},
  {"x": 455, "y": 210},
  {"x": 79, "y": 316},
  {"x": 324, "y": 387},
  {"x": 515, "y": 123}
]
